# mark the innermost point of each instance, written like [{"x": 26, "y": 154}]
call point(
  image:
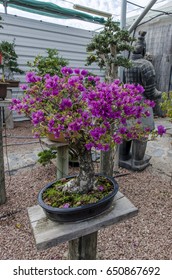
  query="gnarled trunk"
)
[{"x": 86, "y": 178}]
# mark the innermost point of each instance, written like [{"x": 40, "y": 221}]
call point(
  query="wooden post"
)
[
  {"x": 8, "y": 114},
  {"x": 62, "y": 161},
  {"x": 83, "y": 248},
  {"x": 2, "y": 175}
]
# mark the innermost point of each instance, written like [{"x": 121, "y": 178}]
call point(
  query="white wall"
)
[{"x": 32, "y": 37}]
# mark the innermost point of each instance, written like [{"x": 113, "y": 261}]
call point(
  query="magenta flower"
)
[
  {"x": 84, "y": 109},
  {"x": 66, "y": 205},
  {"x": 66, "y": 103},
  {"x": 101, "y": 188},
  {"x": 161, "y": 130},
  {"x": 84, "y": 72}
]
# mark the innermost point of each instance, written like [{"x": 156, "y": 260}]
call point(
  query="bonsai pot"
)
[
  {"x": 13, "y": 83},
  {"x": 79, "y": 213},
  {"x": 60, "y": 139},
  {"x": 3, "y": 89}
]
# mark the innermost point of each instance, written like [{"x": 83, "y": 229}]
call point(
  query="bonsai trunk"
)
[{"x": 86, "y": 178}]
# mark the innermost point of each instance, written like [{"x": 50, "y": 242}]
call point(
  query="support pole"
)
[
  {"x": 2, "y": 175},
  {"x": 145, "y": 11},
  {"x": 5, "y": 6},
  {"x": 62, "y": 161},
  {"x": 123, "y": 14},
  {"x": 122, "y": 26}
]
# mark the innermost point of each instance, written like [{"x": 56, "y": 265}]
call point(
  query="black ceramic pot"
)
[{"x": 79, "y": 213}]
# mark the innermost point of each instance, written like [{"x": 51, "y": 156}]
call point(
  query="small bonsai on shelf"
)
[
  {"x": 51, "y": 63},
  {"x": 9, "y": 64}
]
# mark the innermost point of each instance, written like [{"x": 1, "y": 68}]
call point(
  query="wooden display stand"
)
[{"x": 82, "y": 236}]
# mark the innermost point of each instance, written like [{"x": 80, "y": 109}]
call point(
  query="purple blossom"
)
[
  {"x": 31, "y": 77},
  {"x": 24, "y": 86},
  {"x": 97, "y": 133},
  {"x": 101, "y": 188},
  {"x": 89, "y": 146},
  {"x": 66, "y": 71},
  {"x": 122, "y": 130},
  {"x": 66, "y": 103},
  {"x": 84, "y": 112},
  {"x": 66, "y": 205},
  {"x": 77, "y": 71},
  {"x": 161, "y": 130},
  {"x": 84, "y": 72},
  {"x": 117, "y": 139},
  {"x": 37, "y": 117}
]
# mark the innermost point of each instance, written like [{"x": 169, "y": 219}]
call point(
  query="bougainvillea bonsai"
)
[{"x": 84, "y": 109}]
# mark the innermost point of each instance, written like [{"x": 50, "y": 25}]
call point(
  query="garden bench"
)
[{"x": 81, "y": 236}]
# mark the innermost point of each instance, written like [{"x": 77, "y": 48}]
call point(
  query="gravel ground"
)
[{"x": 146, "y": 236}]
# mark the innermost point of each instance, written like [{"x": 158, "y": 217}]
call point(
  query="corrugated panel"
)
[
  {"x": 33, "y": 37},
  {"x": 159, "y": 45}
]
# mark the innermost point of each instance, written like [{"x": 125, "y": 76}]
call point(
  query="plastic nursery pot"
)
[{"x": 80, "y": 213}]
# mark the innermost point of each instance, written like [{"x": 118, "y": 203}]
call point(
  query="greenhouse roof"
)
[
  {"x": 51, "y": 10},
  {"x": 154, "y": 13}
]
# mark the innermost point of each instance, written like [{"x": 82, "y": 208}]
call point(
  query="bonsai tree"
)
[
  {"x": 84, "y": 109},
  {"x": 105, "y": 50},
  {"x": 9, "y": 63},
  {"x": 51, "y": 63}
]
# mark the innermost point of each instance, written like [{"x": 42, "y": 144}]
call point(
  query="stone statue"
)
[{"x": 142, "y": 72}]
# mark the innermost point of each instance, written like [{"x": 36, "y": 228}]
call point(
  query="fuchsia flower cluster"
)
[{"x": 82, "y": 107}]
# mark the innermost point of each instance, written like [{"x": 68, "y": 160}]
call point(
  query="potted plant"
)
[
  {"x": 50, "y": 63},
  {"x": 138, "y": 135},
  {"x": 9, "y": 66},
  {"x": 84, "y": 109},
  {"x": 166, "y": 104}
]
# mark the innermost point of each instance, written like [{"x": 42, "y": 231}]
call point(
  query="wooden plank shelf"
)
[{"x": 48, "y": 233}]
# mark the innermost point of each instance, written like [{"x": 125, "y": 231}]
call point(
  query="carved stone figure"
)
[{"x": 142, "y": 72}]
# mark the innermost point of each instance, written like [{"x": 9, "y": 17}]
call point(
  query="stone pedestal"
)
[{"x": 136, "y": 159}]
